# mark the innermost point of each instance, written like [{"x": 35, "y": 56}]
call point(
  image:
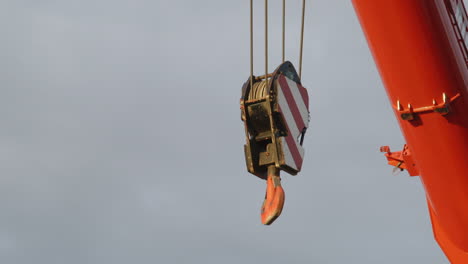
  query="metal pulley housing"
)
[{"x": 275, "y": 112}]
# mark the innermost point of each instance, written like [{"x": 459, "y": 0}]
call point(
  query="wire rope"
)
[
  {"x": 284, "y": 30},
  {"x": 251, "y": 43},
  {"x": 302, "y": 39},
  {"x": 266, "y": 41}
]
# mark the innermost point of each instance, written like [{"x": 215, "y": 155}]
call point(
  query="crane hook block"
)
[{"x": 275, "y": 112}]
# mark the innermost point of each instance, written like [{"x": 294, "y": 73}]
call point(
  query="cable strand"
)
[{"x": 302, "y": 39}]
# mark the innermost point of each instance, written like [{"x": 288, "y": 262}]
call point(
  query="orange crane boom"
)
[{"x": 420, "y": 48}]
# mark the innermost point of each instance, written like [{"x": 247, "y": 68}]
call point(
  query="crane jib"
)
[{"x": 422, "y": 61}]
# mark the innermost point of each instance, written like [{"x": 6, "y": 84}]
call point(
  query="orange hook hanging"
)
[{"x": 274, "y": 197}]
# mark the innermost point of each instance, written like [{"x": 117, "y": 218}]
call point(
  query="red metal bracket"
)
[
  {"x": 402, "y": 160},
  {"x": 441, "y": 108}
]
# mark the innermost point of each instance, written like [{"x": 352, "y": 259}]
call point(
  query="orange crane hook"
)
[{"x": 274, "y": 197}]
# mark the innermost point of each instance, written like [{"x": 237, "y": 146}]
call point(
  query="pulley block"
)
[{"x": 275, "y": 112}]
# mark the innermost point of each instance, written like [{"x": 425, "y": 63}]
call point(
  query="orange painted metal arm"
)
[{"x": 420, "y": 50}]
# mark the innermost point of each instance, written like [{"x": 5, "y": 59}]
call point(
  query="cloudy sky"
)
[{"x": 121, "y": 139}]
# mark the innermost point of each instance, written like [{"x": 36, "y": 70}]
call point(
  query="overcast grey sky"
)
[{"x": 121, "y": 139}]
